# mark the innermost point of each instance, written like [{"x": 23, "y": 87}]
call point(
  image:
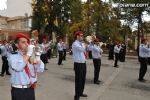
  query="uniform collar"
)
[
  {"x": 78, "y": 41},
  {"x": 19, "y": 52}
]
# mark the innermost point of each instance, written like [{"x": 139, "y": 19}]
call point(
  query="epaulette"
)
[{"x": 14, "y": 53}]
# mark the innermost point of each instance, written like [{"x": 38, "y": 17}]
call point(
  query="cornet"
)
[{"x": 36, "y": 53}]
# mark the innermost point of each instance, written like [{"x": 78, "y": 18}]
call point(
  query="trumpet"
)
[{"x": 36, "y": 53}]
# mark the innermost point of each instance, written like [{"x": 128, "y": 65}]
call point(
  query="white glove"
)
[{"x": 30, "y": 50}]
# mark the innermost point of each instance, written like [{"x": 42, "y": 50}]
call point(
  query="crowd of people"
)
[{"x": 24, "y": 57}]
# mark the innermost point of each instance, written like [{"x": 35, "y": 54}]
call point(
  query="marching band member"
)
[
  {"x": 143, "y": 54},
  {"x": 64, "y": 50},
  {"x": 23, "y": 70},
  {"x": 4, "y": 54},
  {"x": 60, "y": 51},
  {"x": 44, "y": 48},
  {"x": 117, "y": 49},
  {"x": 79, "y": 58},
  {"x": 96, "y": 54}
]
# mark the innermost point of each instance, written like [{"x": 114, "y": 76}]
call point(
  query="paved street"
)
[{"x": 58, "y": 82}]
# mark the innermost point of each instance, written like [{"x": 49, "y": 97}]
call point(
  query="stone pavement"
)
[{"x": 57, "y": 83}]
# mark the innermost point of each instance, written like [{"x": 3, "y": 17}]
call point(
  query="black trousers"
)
[
  {"x": 143, "y": 68},
  {"x": 44, "y": 58},
  {"x": 60, "y": 57},
  {"x": 122, "y": 56},
  {"x": 22, "y": 94},
  {"x": 64, "y": 55},
  {"x": 116, "y": 59},
  {"x": 80, "y": 77},
  {"x": 97, "y": 65},
  {"x": 111, "y": 55},
  {"x": 5, "y": 65},
  {"x": 148, "y": 60},
  {"x": 49, "y": 53},
  {"x": 90, "y": 54}
]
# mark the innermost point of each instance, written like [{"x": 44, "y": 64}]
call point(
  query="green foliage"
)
[
  {"x": 76, "y": 15},
  {"x": 46, "y": 12},
  {"x": 93, "y": 16},
  {"x": 104, "y": 20},
  {"x": 134, "y": 14}
]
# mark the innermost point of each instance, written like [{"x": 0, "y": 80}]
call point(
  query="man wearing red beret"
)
[
  {"x": 60, "y": 51},
  {"x": 23, "y": 70},
  {"x": 44, "y": 47},
  {"x": 143, "y": 54},
  {"x": 78, "y": 49},
  {"x": 117, "y": 49},
  {"x": 96, "y": 54}
]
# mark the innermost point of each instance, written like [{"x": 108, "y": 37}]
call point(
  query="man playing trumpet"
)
[
  {"x": 96, "y": 54},
  {"x": 23, "y": 70}
]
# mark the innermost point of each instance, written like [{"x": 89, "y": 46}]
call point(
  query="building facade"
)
[
  {"x": 17, "y": 8},
  {"x": 10, "y": 26}
]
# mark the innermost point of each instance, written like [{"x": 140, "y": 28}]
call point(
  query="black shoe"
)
[
  {"x": 45, "y": 69},
  {"x": 2, "y": 75},
  {"x": 142, "y": 80},
  {"x": 8, "y": 74},
  {"x": 83, "y": 95},
  {"x": 76, "y": 98},
  {"x": 97, "y": 83},
  {"x": 116, "y": 66}
]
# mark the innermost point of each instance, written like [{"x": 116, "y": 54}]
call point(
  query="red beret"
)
[
  {"x": 79, "y": 33},
  {"x": 44, "y": 39},
  {"x": 143, "y": 39},
  {"x": 21, "y": 35}
]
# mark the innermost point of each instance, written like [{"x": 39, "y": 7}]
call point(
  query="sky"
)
[{"x": 3, "y": 4}]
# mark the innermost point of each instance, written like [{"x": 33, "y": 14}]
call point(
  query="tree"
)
[
  {"x": 102, "y": 15},
  {"x": 134, "y": 14},
  {"x": 76, "y": 16}
]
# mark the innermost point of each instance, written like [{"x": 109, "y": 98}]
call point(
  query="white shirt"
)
[
  {"x": 64, "y": 46},
  {"x": 90, "y": 47},
  {"x": 4, "y": 50},
  {"x": 143, "y": 51},
  {"x": 78, "y": 50},
  {"x": 60, "y": 46},
  {"x": 96, "y": 52},
  {"x": 17, "y": 70},
  {"x": 117, "y": 49},
  {"x": 44, "y": 47}
]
